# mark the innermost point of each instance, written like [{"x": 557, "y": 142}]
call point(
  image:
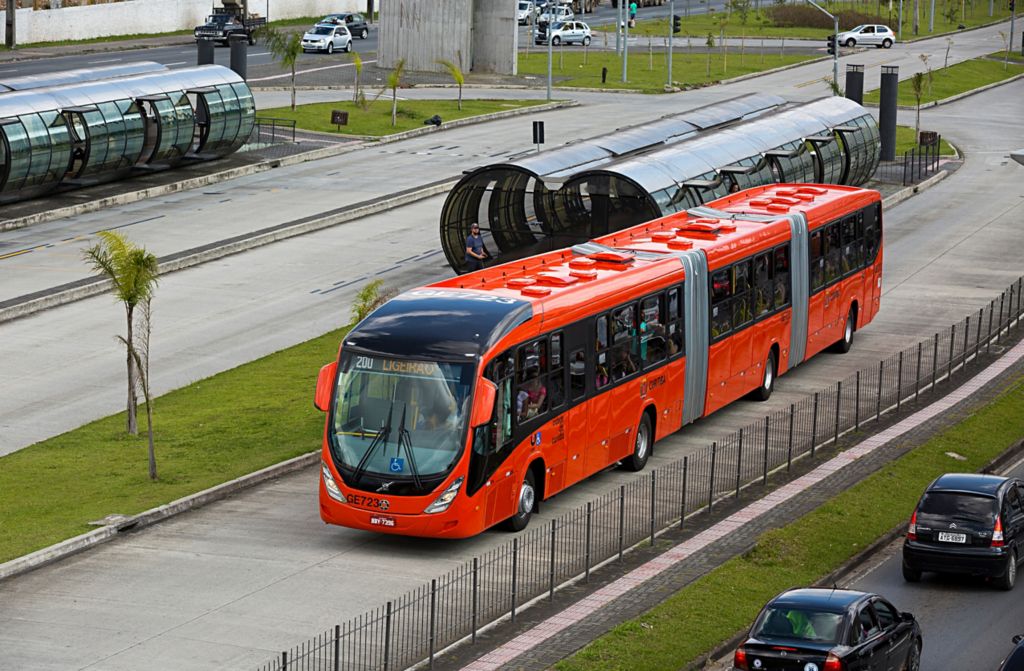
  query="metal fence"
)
[
  {"x": 271, "y": 130},
  {"x": 916, "y": 165},
  {"x": 414, "y": 627}
]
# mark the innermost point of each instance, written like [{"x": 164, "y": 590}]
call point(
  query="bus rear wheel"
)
[
  {"x": 771, "y": 367},
  {"x": 641, "y": 446},
  {"x": 525, "y": 503},
  {"x": 844, "y": 344}
]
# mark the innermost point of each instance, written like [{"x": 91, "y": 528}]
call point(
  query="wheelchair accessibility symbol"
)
[{"x": 397, "y": 465}]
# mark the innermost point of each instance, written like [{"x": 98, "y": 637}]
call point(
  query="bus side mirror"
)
[
  {"x": 1018, "y": 638},
  {"x": 324, "y": 384},
  {"x": 483, "y": 406}
]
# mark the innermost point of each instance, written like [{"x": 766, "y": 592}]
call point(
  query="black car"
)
[
  {"x": 830, "y": 630},
  {"x": 355, "y": 23},
  {"x": 1015, "y": 661},
  {"x": 970, "y": 524}
]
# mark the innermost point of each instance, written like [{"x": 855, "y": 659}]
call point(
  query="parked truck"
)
[
  {"x": 584, "y": 6},
  {"x": 640, "y": 3},
  {"x": 230, "y": 19}
]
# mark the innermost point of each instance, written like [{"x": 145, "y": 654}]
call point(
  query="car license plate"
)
[
  {"x": 952, "y": 538},
  {"x": 382, "y": 521}
]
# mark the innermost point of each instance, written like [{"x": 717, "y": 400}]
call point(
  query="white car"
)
[
  {"x": 569, "y": 32},
  {"x": 867, "y": 35},
  {"x": 556, "y": 14},
  {"x": 525, "y": 12},
  {"x": 327, "y": 37}
]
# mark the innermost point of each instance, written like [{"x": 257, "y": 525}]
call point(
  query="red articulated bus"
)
[{"x": 465, "y": 403}]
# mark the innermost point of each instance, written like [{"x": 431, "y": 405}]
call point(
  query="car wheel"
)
[
  {"x": 911, "y": 574},
  {"x": 330, "y": 47},
  {"x": 886, "y": 43},
  {"x": 771, "y": 369},
  {"x": 641, "y": 446},
  {"x": 844, "y": 344},
  {"x": 556, "y": 40},
  {"x": 586, "y": 41},
  {"x": 364, "y": 34},
  {"x": 1009, "y": 578},
  {"x": 851, "y": 42},
  {"x": 348, "y": 46},
  {"x": 913, "y": 662},
  {"x": 526, "y": 503}
]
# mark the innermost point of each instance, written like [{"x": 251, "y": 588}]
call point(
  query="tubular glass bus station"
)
[
  {"x": 586, "y": 189},
  {"x": 81, "y": 127}
]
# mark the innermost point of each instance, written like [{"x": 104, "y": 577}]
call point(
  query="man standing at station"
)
[{"x": 476, "y": 253}]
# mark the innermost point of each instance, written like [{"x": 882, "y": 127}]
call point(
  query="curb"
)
[
  {"x": 93, "y": 286},
  {"x": 903, "y": 194},
  {"x": 958, "y": 96},
  {"x": 262, "y": 166},
  {"x": 91, "y": 539}
]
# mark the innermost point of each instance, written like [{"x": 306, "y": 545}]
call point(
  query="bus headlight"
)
[
  {"x": 442, "y": 502},
  {"x": 332, "y": 487}
]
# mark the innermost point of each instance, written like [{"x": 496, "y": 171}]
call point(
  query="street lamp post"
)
[
  {"x": 625, "y": 46},
  {"x": 671, "y": 31},
  {"x": 835, "y": 56},
  {"x": 548, "y": 30}
]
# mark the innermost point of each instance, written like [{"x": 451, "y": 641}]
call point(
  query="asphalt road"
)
[{"x": 968, "y": 624}]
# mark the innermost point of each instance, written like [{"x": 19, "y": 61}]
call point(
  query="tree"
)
[
  {"x": 456, "y": 72},
  {"x": 133, "y": 273},
  {"x": 140, "y": 353},
  {"x": 917, "y": 84},
  {"x": 949, "y": 43},
  {"x": 394, "y": 82},
  {"x": 710, "y": 44},
  {"x": 742, "y": 9},
  {"x": 284, "y": 47},
  {"x": 357, "y": 62},
  {"x": 369, "y": 298}
]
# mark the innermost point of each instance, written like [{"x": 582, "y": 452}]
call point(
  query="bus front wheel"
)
[
  {"x": 764, "y": 392},
  {"x": 525, "y": 503},
  {"x": 641, "y": 446},
  {"x": 844, "y": 344}
]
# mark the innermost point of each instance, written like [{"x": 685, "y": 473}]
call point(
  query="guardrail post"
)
[
  {"x": 878, "y": 397},
  {"x": 999, "y": 324},
  {"x": 711, "y": 483},
  {"x": 682, "y": 501},
  {"x": 899, "y": 381},
  {"x": 551, "y": 573},
  {"x": 586, "y": 577},
  {"x": 917, "y": 373},
  {"x": 387, "y": 635},
  {"x": 653, "y": 499},
  {"x": 952, "y": 342},
  {"x": 476, "y": 594},
  {"x": 433, "y": 613},
  {"x": 622, "y": 519},
  {"x": 789, "y": 447},
  {"x": 839, "y": 397},
  {"x": 284, "y": 660},
  {"x": 739, "y": 463},
  {"x": 1019, "y": 282},
  {"x": 988, "y": 338},
  {"x": 967, "y": 336},
  {"x": 856, "y": 404},
  {"x": 935, "y": 360},
  {"x": 764, "y": 481},
  {"x": 814, "y": 425},
  {"x": 337, "y": 647},
  {"x": 515, "y": 571},
  {"x": 977, "y": 340}
]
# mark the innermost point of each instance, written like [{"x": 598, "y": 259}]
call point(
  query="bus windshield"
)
[{"x": 398, "y": 417}]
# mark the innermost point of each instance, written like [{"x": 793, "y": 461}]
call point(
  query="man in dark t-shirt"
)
[{"x": 475, "y": 251}]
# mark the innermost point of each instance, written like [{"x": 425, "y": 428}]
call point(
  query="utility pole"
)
[
  {"x": 618, "y": 27},
  {"x": 835, "y": 55},
  {"x": 548, "y": 30},
  {"x": 671, "y": 31},
  {"x": 11, "y": 16},
  {"x": 625, "y": 46}
]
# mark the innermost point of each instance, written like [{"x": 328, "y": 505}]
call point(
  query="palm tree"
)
[
  {"x": 357, "y": 61},
  {"x": 456, "y": 72},
  {"x": 394, "y": 82},
  {"x": 133, "y": 273},
  {"x": 917, "y": 84},
  {"x": 284, "y": 47},
  {"x": 140, "y": 353}
]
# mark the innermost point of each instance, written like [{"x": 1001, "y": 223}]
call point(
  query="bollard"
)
[
  {"x": 604, "y": 75},
  {"x": 855, "y": 83},
  {"x": 239, "y": 53},
  {"x": 204, "y": 52},
  {"x": 887, "y": 111}
]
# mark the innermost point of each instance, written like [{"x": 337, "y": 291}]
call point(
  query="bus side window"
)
[
  {"x": 531, "y": 380},
  {"x": 675, "y": 322},
  {"x": 781, "y": 276},
  {"x": 833, "y": 251},
  {"x": 577, "y": 374},
  {"x": 556, "y": 380},
  {"x": 872, "y": 231},
  {"x": 653, "y": 336},
  {"x": 624, "y": 359},
  {"x": 742, "y": 313},
  {"x": 763, "y": 288},
  {"x": 721, "y": 315},
  {"x": 817, "y": 254},
  {"x": 601, "y": 376},
  {"x": 849, "y": 233}
]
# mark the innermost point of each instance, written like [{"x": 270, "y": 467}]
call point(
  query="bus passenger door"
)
[
  {"x": 575, "y": 425},
  {"x": 816, "y": 304},
  {"x": 741, "y": 340},
  {"x": 599, "y": 420}
]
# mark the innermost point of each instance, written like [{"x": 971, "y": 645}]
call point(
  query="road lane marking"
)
[
  {"x": 106, "y": 60},
  {"x": 176, "y": 63},
  {"x": 302, "y": 72}
]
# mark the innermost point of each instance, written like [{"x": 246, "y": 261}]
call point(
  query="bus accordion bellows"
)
[{"x": 463, "y": 404}]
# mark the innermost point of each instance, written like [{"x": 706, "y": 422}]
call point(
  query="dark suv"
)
[{"x": 967, "y": 523}]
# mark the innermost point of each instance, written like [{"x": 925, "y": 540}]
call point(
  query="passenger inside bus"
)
[{"x": 531, "y": 396}]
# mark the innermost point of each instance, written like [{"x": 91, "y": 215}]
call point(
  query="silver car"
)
[
  {"x": 327, "y": 37},
  {"x": 867, "y": 35},
  {"x": 568, "y": 32}
]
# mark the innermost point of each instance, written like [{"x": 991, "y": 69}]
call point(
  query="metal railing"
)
[
  {"x": 271, "y": 130},
  {"x": 412, "y": 629},
  {"x": 916, "y": 165}
]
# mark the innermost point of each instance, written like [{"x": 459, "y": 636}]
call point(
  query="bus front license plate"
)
[{"x": 382, "y": 521}]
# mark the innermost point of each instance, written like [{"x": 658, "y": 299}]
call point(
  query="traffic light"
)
[
  {"x": 831, "y": 45},
  {"x": 677, "y": 23}
]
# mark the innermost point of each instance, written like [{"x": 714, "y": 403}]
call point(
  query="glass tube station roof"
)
[
  {"x": 80, "y": 127},
  {"x": 585, "y": 189}
]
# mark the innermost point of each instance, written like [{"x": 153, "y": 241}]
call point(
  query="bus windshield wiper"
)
[
  {"x": 381, "y": 438},
  {"x": 405, "y": 440}
]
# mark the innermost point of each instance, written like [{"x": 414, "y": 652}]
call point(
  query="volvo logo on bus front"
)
[{"x": 385, "y": 486}]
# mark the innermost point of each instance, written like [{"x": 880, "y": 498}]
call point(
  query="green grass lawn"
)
[
  {"x": 376, "y": 120},
  {"x": 209, "y": 432},
  {"x": 569, "y": 68},
  {"x": 959, "y": 78},
  {"x": 715, "y": 607},
  {"x": 906, "y": 139},
  {"x": 697, "y": 26}
]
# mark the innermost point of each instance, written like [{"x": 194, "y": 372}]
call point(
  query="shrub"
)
[{"x": 805, "y": 16}]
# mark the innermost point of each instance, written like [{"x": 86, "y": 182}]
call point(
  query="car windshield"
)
[
  {"x": 322, "y": 30},
  {"x": 794, "y": 623},
  {"x": 960, "y": 505},
  {"x": 558, "y": 26},
  {"x": 400, "y": 417},
  {"x": 218, "y": 18}
]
